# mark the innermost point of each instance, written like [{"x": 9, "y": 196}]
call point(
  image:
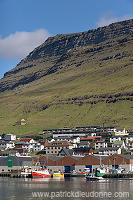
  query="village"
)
[{"x": 68, "y": 150}]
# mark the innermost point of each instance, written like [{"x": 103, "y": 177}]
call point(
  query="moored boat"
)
[
  {"x": 58, "y": 174},
  {"x": 42, "y": 173},
  {"x": 93, "y": 178},
  {"x": 80, "y": 173},
  {"x": 99, "y": 172}
]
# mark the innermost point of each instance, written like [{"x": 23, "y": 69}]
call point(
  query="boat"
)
[
  {"x": 42, "y": 173},
  {"x": 93, "y": 178},
  {"x": 58, "y": 174},
  {"x": 99, "y": 172},
  {"x": 83, "y": 173}
]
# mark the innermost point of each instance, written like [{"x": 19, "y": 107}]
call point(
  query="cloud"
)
[
  {"x": 107, "y": 19},
  {"x": 20, "y": 44}
]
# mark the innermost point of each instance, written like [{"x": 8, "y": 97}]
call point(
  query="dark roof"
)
[
  {"x": 67, "y": 152},
  {"x": 108, "y": 148},
  {"x": 82, "y": 148}
]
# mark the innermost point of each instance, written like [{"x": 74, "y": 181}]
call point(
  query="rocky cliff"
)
[{"x": 46, "y": 58}]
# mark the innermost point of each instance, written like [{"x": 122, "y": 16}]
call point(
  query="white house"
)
[
  {"x": 130, "y": 145},
  {"x": 110, "y": 150},
  {"x": 9, "y": 137},
  {"x": 115, "y": 138},
  {"x": 128, "y": 138},
  {"x": 6, "y": 145},
  {"x": 28, "y": 141},
  {"x": 120, "y": 132},
  {"x": 38, "y": 147},
  {"x": 100, "y": 144}
]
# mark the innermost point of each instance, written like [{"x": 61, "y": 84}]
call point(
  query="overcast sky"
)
[{"x": 25, "y": 24}]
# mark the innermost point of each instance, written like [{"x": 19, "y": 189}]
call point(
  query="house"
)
[
  {"x": 130, "y": 145},
  {"x": 104, "y": 134},
  {"x": 100, "y": 144},
  {"x": 54, "y": 147},
  {"x": 128, "y": 138},
  {"x": 91, "y": 138},
  {"x": 22, "y": 122},
  {"x": 8, "y": 137},
  {"x": 120, "y": 132},
  {"x": 110, "y": 150},
  {"x": 69, "y": 134},
  {"x": 83, "y": 150},
  {"x": 120, "y": 144},
  {"x": 84, "y": 143},
  {"x": 38, "y": 147},
  {"x": 29, "y": 144},
  {"x": 28, "y": 140},
  {"x": 115, "y": 138},
  {"x": 51, "y": 131},
  {"x": 72, "y": 139},
  {"x": 66, "y": 152},
  {"x": 9, "y": 152},
  {"x": 6, "y": 145}
]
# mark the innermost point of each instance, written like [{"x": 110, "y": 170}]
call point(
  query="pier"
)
[
  {"x": 118, "y": 175},
  {"x": 16, "y": 174}
]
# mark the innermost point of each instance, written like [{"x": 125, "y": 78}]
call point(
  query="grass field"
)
[{"x": 58, "y": 100}]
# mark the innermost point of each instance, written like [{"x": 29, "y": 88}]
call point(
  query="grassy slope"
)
[{"x": 94, "y": 76}]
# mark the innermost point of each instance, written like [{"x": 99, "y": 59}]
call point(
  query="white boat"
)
[{"x": 93, "y": 178}]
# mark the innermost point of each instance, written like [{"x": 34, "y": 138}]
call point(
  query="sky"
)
[{"x": 25, "y": 24}]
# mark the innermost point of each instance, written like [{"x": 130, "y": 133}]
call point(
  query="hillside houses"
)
[{"x": 83, "y": 140}]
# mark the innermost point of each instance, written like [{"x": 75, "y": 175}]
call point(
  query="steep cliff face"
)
[
  {"x": 46, "y": 58},
  {"x": 60, "y": 44}
]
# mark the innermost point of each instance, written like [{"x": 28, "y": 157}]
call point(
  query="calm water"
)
[{"x": 70, "y": 188}]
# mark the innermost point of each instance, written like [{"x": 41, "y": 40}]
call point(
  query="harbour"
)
[{"x": 58, "y": 188}]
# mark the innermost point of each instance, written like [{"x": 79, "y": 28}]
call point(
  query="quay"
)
[
  {"x": 118, "y": 175},
  {"x": 16, "y": 174}
]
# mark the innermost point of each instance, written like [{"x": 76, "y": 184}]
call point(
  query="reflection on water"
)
[{"x": 21, "y": 189}]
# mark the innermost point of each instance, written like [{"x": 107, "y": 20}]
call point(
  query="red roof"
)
[
  {"x": 91, "y": 138},
  {"x": 25, "y": 140}
]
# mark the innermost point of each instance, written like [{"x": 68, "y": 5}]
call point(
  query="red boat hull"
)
[{"x": 36, "y": 174}]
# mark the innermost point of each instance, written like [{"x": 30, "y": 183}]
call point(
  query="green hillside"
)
[{"x": 88, "y": 85}]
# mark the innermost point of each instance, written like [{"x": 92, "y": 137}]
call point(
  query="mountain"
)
[{"x": 72, "y": 80}]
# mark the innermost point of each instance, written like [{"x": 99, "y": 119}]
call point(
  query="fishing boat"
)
[
  {"x": 93, "y": 178},
  {"x": 83, "y": 173},
  {"x": 42, "y": 173},
  {"x": 99, "y": 172},
  {"x": 58, "y": 174}
]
